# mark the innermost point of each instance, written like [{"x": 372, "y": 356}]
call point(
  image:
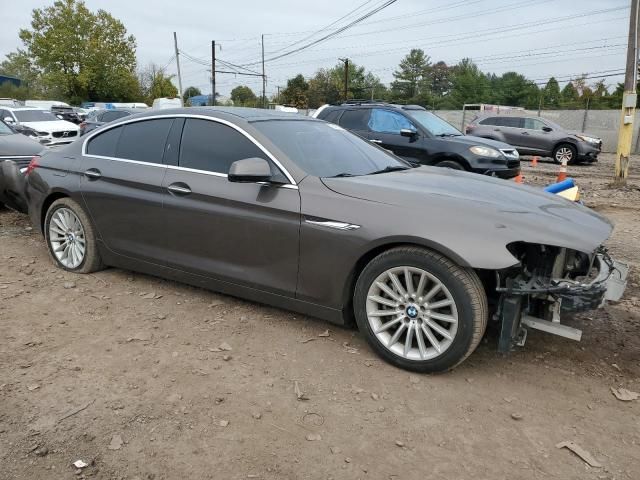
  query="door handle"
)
[
  {"x": 179, "y": 189},
  {"x": 496, "y": 129},
  {"x": 92, "y": 174},
  {"x": 525, "y": 133},
  {"x": 375, "y": 141}
]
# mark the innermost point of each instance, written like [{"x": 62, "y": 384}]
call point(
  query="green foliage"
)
[
  {"x": 190, "y": 92},
  {"x": 570, "y": 96},
  {"x": 295, "y": 94},
  {"x": 243, "y": 96},
  {"x": 74, "y": 54},
  {"x": 512, "y": 88},
  {"x": 411, "y": 73},
  {"x": 551, "y": 97},
  {"x": 155, "y": 84},
  {"x": 470, "y": 85},
  {"x": 9, "y": 90}
]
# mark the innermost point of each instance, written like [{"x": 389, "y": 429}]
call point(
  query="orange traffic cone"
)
[
  {"x": 534, "y": 162},
  {"x": 562, "y": 173},
  {"x": 519, "y": 178}
]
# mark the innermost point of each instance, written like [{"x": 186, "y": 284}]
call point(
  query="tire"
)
[
  {"x": 450, "y": 164},
  {"x": 84, "y": 237},
  {"x": 565, "y": 149},
  {"x": 462, "y": 287}
]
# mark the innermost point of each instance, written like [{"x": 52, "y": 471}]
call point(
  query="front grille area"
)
[
  {"x": 67, "y": 134},
  {"x": 513, "y": 163}
]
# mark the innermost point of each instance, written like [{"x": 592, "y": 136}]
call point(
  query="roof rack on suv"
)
[{"x": 355, "y": 101}]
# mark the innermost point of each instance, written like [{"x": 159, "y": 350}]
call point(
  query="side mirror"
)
[
  {"x": 547, "y": 129},
  {"x": 250, "y": 170},
  {"x": 8, "y": 120},
  {"x": 407, "y": 132}
]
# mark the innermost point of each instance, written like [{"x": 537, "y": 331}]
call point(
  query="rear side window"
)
[
  {"x": 332, "y": 116},
  {"x": 514, "y": 122},
  {"x": 355, "y": 119},
  {"x": 105, "y": 143},
  {"x": 213, "y": 147},
  {"x": 489, "y": 121},
  {"x": 144, "y": 141}
]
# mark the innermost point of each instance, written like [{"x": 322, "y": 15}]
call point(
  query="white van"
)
[
  {"x": 44, "y": 104},
  {"x": 162, "y": 103}
]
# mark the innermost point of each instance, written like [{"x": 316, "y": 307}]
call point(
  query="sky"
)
[{"x": 538, "y": 38}]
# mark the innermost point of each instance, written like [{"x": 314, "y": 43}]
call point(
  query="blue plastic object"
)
[{"x": 560, "y": 186}]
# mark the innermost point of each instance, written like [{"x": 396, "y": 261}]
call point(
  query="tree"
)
[
  {"x": 469, "y": 85},
  {"x": 411, "y": 71},
  {"x": 514, "y": 89},
  {"x": 18, "y": 64},
  {"x": 570, "y": 96},
  {"x": 438, "y": 82},
  {"x": 296, "y": 92},
  {"x": 190, "y": 92},
  {"x": 243, "y": 96},
  {"x": 551, "y": 94},
  {"x": 78, "y": 54},
  {"x": 155, "y": 84}
]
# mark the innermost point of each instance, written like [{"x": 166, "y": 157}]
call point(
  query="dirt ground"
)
[{"x": 142, "y": 378}]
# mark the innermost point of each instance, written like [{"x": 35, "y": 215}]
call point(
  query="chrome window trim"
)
[{"x": 185, "y": 115}]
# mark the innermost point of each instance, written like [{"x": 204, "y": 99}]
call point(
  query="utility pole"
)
[
  {"x": 278, "y": 97},
  {"x": 346, "y": 77},
  {"x": 213, "y": 73},
  {"x": 175, "y": 44},
  {"x": 629, "y": 98},
  {"x": 264, "y": 78}
]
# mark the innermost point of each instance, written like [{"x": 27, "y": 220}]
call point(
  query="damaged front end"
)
[{"x": 549, "y": 281}]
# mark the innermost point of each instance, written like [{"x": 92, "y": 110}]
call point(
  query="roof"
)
[
  {"x": 9, "y": 107},
  {"x": 373, "y": 103},
  {"x": 248, "y": 114}
]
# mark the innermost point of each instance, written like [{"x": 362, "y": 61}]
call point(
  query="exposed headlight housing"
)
[
  {"x": 42, "y": 134},
  {"x": 586, "y": 138},
  {"x": 482, "y": 151}
]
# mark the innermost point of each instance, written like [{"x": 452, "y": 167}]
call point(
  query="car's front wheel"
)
[
  {"x": 450, "y": 164},
  {"x": 563, "y": 152},
  {"x": 419, "y": 310},
  {"x": 70, "y": 237}
]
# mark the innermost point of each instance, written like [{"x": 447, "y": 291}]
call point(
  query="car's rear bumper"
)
[{"x": 12, "y": 186}]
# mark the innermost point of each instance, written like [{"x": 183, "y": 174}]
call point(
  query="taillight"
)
[
  {"x": 82, "y": 125},
  {"x": 33, "y": 164}
]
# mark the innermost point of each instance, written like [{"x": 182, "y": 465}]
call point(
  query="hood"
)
[
  {"x": 18, "y": 145},
  {"x": 472, "y": 140},
  {"x": 52, "y": 126},
  {"x": 479, "y": 208}
]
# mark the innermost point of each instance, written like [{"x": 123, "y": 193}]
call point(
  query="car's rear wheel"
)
[
  {"x": 419, "y": 310},
  {"x": 450, "y": 164},
  {"x": 70, "y": 237},
  {"x": 565, "y": 151}
]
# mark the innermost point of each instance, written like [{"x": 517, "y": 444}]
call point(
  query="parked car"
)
[
  {"x": 16, "y": 151},
  {"x": 537, "y": 136},
  {"x": 162, "y": 103},
  {"x": 45, "y": 104},
  {"x": 96, "y": 118},
  {"x": 10, "y": 102},
  {"x": 81, "y": 113},
  {"x": 48, "y": 129},
  {"x": 298, "y": 213},
  {"x": 413, "y": 133},
  {"x": 66, "y": 113}
]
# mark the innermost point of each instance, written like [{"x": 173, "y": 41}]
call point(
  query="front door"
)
[
  {"x": 121, "y": 183},
  {"x": 242, "y": 233},
  {"x": 385, "y": 127}
]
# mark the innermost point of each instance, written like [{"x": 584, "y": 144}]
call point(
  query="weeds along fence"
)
[{"x": 599, "y": 123}]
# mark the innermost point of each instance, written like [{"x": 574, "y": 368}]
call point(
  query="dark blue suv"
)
[{"x": 419, "y": 136}]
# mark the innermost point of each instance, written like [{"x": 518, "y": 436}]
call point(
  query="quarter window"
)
[
  {"x": 105, "y": 143},
  {"x": 385, "y": 121},
  {"x": 213, "y": 147},
  {"x": 144, "y": 141},
  {"x": 332, "y": 116}
]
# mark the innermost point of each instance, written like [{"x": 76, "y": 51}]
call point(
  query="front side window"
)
[
  {"x": 434, "y": 124},
  {"x": 144, "y": 141},
  {"x": 213, "y": 147},
  {"x": 385, "y": 121},
  {"x": 327, "y": 150},
  {"x": 355, "y": 119},
  {"x": 533, "y": 124},
  {"x": 35, "y": 116}
]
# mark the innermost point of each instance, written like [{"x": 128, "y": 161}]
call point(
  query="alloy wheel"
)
[
  {"x": 412, "y": 313},
  {"x": 563, "y": 154},
  {"x": 67, "y": 238}
]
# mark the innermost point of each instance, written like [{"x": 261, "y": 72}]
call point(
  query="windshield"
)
[
  {"x": 327, "y": 150},
  {"x": 34, "y": 116},
  {"x": 5, "y": 130},
  {"x": 434, "y": 124}
]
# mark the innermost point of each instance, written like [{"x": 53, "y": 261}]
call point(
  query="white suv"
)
[{"x": 46, "y": 127}]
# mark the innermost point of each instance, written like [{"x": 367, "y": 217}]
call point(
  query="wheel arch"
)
[
  {"x": 47, "y": 203},
  {"x": 440, "y": 157},
  {"x": 376, "y": 249}
]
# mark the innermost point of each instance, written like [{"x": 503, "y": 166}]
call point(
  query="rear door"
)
[
  {"x": 241, "y": 233},
  {"x": 356, "y": 120},
  {"x": 121, "y": 184},
  {"x": 511, "y": 129},
  {"x": 385, "y": 126}
]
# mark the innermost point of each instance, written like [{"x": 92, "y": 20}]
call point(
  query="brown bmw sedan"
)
[{"x": 301, "y": 214}]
